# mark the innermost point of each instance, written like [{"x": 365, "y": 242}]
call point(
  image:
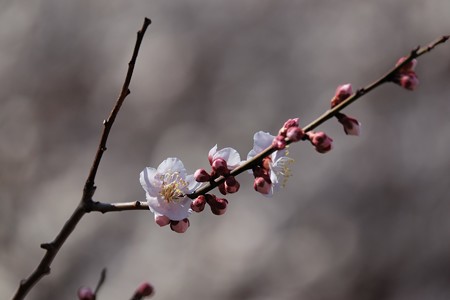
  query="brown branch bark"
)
[{"x": 53, "y": 247}]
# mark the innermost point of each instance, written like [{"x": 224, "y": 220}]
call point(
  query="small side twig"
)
[
  {"x": 53, "y": 247},
  {"x": 101, "y": 280}
]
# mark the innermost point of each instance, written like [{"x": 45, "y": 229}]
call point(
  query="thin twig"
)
[
  {"x": 53, "y": 247},
  {"x": 137, "y": 205},
  {"x": 100, "y": 282}
]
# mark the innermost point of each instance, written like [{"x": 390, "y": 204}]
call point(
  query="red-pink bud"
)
[
  {"x": 198, "y": 205},
  {"x": 144, "y": 290},
  {"x": 180, "y": 226},
  {"x": 343, "y": 91},
  {"x": 222, "y": 189},
  {"x": 279, "y": 143},
  {"x": 351, "y": 125},
  {"x": 321, "y": 141},
  {"x": 288, "y": 124},
  {"x": 409, "y": 80},
  {"x": 202, "y": 176},
  {"x": 410, "y": 66},
  {"x": 85, "y": 293},
  {"x": 262, "y": 186},
  {"x": 162, "y": 220},
  {"x": 219, "y": 207},
  {"x": 231, "y": 185},
  {"x": 295, "y": 134},
  {"x": 220, "y": 167}
]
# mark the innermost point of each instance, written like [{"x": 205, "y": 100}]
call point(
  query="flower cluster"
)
[
  {"x": 169, "y": 188},
  {"x": 406, "y": 77}
]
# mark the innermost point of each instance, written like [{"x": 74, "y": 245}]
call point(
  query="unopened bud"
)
[
  {"x": 409, "y": 80},
  {"x": 220, "y": 167},
  {"x": 219, "y": 207},
  {"x": 180, "y": 226},
  {"x": 279, "y": 143},
  {"x": 321, "y": 141},
  {"x": 231, "y": 185},
  {"x": 161, "y": 220},
  {"x": 342, "y": 92},
  {"x": 144, "y": 290},
  {"x": 202, "y": 176},
  {"x": 198, "y": 205},
  {"x": 351, "y": 125},
  {"x": 85, "y": 293},
  {"x": 410, "y": 66},
  {"x": 262, "y": 186},
  {"x": 295, "y": 134}
]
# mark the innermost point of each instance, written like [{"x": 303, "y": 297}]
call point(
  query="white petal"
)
[
  {"x": 211, "y": 153},
  {"x": 172, "y": 164},
  {"x": 174, "y": 210},
  {"x": 148, "y": 181},
  {"x": 192, "y": 184},
  {"x": 262, "y": 140},
  {"x": 230, "y": 155}
]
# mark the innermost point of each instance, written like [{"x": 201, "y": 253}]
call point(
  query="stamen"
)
[
  {"x": 285, "y": 170},
  {"x": 172, "y": 186}
]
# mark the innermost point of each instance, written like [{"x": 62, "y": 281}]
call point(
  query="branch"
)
[
  {"x": 324, "y": 117},
  {"x": 53, "y": 247},
  {"x": 137, "y": 205}
]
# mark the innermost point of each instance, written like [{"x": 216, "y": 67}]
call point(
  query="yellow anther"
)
[{"x": 172, "y": 186}]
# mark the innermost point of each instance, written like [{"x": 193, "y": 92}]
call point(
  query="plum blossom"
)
[
  {"x": 166, "y": 188},
  {"x": 274, "y": 171}
]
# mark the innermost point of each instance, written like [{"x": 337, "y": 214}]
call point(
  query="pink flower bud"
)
[
  {"x": 295, "y": 134},
  {"x": 262, "y": 186},
  {"x": 288, "y": 124},
  {"x": 144, "y": 290},
  {"x": 219, "y": 207},
  {"x": 198, "y": 205},
  {"x": 320, "y": 141},
  {"x": 222, "y": 189},
  {"x": 344, "y": 91},
  {"x": 161, "y": 220},
  {"x": 219, "y": 167},
  {"x": 410, "y": 66},
  {"x": 180, "y": 226},
  {"x": 351, "y": 125},
  {"x": 85, "y": 293},
  {"x": 231, "y": 185},
  {"x": 202, "y": 176},
  {"x": 279, "y": 143},
  {"x": 409, "y": 80}
]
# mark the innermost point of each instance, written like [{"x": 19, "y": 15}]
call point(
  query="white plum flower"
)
[
  {"x": 166, "y": 188},
  {"x": 276, "y": 165}
]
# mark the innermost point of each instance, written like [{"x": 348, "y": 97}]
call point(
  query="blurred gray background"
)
[{"x": 369, "y": 220}]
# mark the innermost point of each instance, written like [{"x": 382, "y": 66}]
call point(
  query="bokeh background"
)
[{"x": 369, "y": 220}]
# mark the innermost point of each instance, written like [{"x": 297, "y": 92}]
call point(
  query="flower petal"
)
[
  {"x": 230, "y": 155},
  {"x": 148, "y": 181},
  {"x": 261, "y": 140},
  {"x": 172, "y": 164},
  {"x": 174, "y": 210}
]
